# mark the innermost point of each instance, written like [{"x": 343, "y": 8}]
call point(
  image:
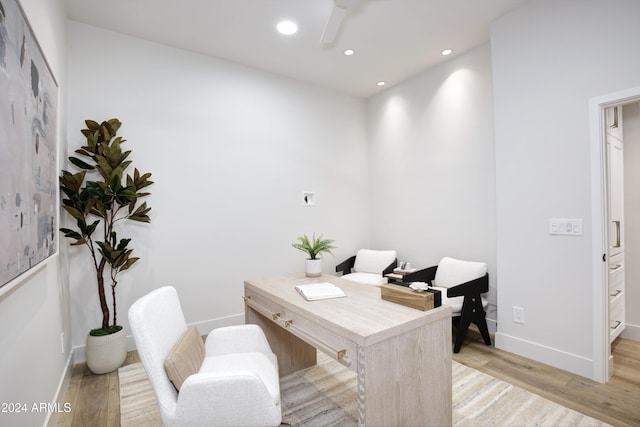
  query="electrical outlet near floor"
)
[{"x": 518, "y": 315}]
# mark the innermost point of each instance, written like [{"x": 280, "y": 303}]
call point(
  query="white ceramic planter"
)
[
  {"x": 313, "y": 267},
  {"x": 106, "y": 353}
]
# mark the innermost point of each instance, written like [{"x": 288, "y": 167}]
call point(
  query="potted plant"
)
[
  {"x": 98, "y": 197},
  {"x": 314, "y": 248}
]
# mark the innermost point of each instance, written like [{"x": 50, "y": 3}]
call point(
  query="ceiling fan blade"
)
[{"x": 333, "y": 25}]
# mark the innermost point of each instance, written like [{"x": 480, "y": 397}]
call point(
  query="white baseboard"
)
[
  {"x": 61, "y": 393},
  {"x": 209, "y": 325},
  {"x": 492, "y": 326},
  {"x": 631, "y": 332},
  {"x": 204, "y": 327},
  {"x": 550, "y": 356}
]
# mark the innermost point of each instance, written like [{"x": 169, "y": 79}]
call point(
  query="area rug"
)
[{"x": 325, "y": 395}]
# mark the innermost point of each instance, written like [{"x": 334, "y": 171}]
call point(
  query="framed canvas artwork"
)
[{"x": 28, "y": 148}]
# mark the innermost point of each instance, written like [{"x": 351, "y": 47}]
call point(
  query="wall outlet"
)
[{"x": 518, "y": 315}]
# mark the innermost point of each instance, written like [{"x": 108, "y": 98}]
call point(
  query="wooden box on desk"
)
[{"x": 407, "y": 297}]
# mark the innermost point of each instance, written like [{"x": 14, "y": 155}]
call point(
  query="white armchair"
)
[
  {"x": 235, "y": 382},
  {"x": 463, "y": 286},
  {"x": 368, "y": 266}
]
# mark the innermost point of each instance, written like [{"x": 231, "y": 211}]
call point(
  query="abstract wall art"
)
[{"x": 28, "y": 147}]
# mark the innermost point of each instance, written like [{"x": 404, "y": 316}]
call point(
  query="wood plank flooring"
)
[
  {"x": 95, "y": 399},
  {"x": 616, "y": 403}
]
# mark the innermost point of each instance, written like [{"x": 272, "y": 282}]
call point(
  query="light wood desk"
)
[{"x": 402, "y": 356}]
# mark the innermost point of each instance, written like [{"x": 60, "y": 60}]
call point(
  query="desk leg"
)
[
  {"x": 293, "y": 353},
  {"x": 406, "y": 379}
]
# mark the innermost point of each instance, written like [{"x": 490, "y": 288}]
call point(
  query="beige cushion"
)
[{"x": 185, "y": 358}]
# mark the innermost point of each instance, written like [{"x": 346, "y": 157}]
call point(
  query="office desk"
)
[{"x": 402, "y": 356}]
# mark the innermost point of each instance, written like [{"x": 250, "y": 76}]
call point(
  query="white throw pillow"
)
[
  {"x": 372, "y": 261},
  {"x": 366, "y": 278},
  {"x": 452, "y": 272}
]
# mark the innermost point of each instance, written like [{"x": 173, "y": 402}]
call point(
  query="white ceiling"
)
[{"x": 393, "y": 39}]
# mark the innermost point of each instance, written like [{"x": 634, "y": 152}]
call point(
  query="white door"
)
[{"x": 615, "y": 222}]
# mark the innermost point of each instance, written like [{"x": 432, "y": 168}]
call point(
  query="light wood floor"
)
[{"x": 95, "y": 398}]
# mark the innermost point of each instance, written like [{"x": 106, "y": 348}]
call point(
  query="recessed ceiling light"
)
[
  {"x": 349, "y": 52},
  {"x": 381, "y": 83},
  {"x": 287, "y": 27},
  {"x": 446, "y": 52}
]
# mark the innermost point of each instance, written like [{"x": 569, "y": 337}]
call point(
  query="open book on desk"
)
[{"x": 318, "y": 291}]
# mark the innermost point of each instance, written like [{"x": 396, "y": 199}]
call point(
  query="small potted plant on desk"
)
[
  {"x": 314, "y": 247},
  {"x": 96, "y": 204}
]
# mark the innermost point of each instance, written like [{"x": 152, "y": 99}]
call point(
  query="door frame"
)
[{"x": 600, "y": 296}]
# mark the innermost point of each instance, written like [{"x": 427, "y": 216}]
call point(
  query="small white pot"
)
[
  {"x": 106, "y": 353},
  {"x": 313, "y": 267}
]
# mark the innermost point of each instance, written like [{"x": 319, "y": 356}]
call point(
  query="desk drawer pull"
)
[
  {"x": 262, "y": 310},
  {"x": 340, "y": 355},
  {"x": 615, "y": 267}
]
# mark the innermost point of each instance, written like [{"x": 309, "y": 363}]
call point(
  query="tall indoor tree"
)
[{"x": 98, "y": 197}]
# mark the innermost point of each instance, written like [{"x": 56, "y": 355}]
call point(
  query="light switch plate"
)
[{"x": 565, "y": 227}]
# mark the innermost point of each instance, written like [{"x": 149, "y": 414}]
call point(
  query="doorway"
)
[{"x": 602, "y": 234}]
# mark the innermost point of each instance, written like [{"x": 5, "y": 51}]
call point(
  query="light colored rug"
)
[{"x": 325, "y": 395}]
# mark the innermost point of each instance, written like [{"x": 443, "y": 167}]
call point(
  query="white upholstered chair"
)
[
  {"x": 462, "y": 285},
  {"x": 236, "y": 381},
  {"x": 368, "y": 266}
]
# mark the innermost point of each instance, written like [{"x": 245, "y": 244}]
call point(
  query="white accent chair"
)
[
  {"x": 462, "y": 286},
  {"x": 237, "y": 383},
  {"x": 368, "y": 266}
]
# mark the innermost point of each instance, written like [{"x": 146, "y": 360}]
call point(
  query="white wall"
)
[
  {"x": 34, "y": 313},
  {"x": 248, "y": 143},
  {"x": 432, "y": 170},
  {"x": 231, "y": 150},
  {"x": 631, "y": 128},
  {"x": 549, "y": 59}
]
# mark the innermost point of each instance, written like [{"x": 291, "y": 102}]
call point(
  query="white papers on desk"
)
[{"x": 318, "y": 291}]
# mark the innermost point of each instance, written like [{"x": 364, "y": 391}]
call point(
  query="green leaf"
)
[
  {"x": 314, "y": 247},
  {"x": 140, "y": 218},
  {"x": 71, "y": 181},
  {"x": 73, "y": 211},
  {"x": 83, "y": 152},
  {"x": 105, "y": 130},
  {"x": 104, "y": 167},
  {"x": 123, "y": 244},
  {"x": 79, "y": 163},
  {"x": 114, "y": 183},
  {"x": 92, "y": 125},
  {"x": 72, "y": 234},
  {"x": 91, "y": 228},
  {"x": 129, "y": 263},
  {"x": 114, "y": 124}
]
